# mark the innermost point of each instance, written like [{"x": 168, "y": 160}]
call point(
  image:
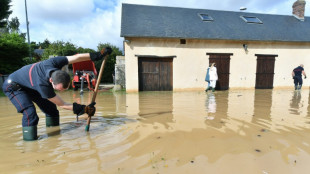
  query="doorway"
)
[
  {"x": 155, "y": 74},
  {"x": 222, "y": 61},
  {"x": 265, "y": 71}
]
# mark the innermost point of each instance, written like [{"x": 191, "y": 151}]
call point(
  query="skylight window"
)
[
  {"x": 205, "y": 17},
  {"x": 251, "y": 19}
]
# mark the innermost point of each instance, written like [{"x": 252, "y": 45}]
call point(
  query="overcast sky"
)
[{"x": 88, "y": 22}]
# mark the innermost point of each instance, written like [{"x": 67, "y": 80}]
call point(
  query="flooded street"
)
[{"x": 235, "y": 131}]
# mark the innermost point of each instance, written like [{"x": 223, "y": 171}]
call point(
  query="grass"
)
[{"x": 1, "y": 93}]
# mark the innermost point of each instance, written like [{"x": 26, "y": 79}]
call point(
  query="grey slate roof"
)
[
  {"x": 172, "y": 22},
  {"x": 39, "y": 51}
]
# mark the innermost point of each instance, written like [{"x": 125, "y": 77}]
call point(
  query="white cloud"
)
[
  {"x": 60, "y": 10},
  {"x": 89, "y": 22}
]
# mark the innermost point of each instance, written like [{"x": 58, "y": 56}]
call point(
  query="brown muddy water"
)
[{"x": 235, "y": 132}]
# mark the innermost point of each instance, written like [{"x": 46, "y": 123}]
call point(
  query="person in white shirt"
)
[{"x": 212, "y": 77}]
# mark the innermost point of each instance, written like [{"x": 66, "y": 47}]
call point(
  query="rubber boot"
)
[
  {"x": 209, "y": 88},
  {"x": 52, "y": 121},
  {"x": 30, "y": 133},
  {"x": 296, "y": 87},
  {"x": 213, "y": 89}
]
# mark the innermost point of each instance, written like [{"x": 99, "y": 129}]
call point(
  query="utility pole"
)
[{"x": 27, "y": 23}]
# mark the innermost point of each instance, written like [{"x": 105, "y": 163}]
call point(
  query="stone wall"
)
[{"x": 120, "y": 81}]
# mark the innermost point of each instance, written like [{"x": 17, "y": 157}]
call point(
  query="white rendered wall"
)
[{"x": 191, "y": 61}]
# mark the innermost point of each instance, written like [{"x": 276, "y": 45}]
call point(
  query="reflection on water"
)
[
  {"x": 262, "y": 107},
  {"x": 167, "y": 132},
  {"x": 296, "y": 103},
  {"x": 156, "y": 107},
  {"x": 211, "y": 103},
  {"x": 217, "y": 107}
]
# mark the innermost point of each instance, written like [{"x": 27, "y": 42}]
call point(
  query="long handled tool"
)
[{"x": 96, "y": 90}]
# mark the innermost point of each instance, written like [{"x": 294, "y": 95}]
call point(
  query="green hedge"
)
[{"x": 13, "y": 49}]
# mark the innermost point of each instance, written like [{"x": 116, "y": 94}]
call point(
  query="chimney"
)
[{"x": 299, "y": 9}]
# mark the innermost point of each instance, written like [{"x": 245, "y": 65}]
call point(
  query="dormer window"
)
[
  {"x": 205, "y": 17},
  {"x": 251, "y": 19}
]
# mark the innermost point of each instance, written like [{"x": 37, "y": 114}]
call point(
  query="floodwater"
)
[{"x": 235, "y": 131}]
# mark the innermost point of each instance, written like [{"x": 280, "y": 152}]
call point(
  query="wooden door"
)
[
  {"x": 222, "y": 62},
  {"x": 265, "y": 71},
  {"x": 155, "y": 74}
]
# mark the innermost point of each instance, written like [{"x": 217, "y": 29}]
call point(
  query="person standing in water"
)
[
  {"x": 297, "y": 76},
  {"x": 207, "y": 78},
  {"x": 212, "y": 73},
  {"x": 36, "y": 83}
]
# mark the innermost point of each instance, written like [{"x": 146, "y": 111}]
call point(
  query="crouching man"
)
[{"x": 35, "y": 83}]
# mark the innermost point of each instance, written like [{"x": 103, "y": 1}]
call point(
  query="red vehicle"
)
[{"x": 85, "y": 73}]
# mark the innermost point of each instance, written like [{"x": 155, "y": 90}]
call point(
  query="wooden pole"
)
[{"x": 96, "y": 90}]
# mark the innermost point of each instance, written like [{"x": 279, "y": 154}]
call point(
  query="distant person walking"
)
[
  {"x": 297, "y": 76},
  {"x": 211, "y": 77}
]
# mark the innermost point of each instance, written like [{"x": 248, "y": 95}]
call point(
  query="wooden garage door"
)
[
  {"x": 265, "y": 71},
  {"x": 155, "y": 74},
  {"x": 222, "y": 61}
]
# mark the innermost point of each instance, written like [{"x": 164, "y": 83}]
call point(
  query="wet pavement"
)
[{"x": 234, "y": 131}]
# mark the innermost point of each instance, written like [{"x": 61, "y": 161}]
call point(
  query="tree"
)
[
  {"x": 38, "y": 49},
  {"x": 110, "y": 64},
  {"x": 44, "y": 44},
  {"x": 4, "y": 12},
  {"x": 13, "y": 49},
  {"x": 59, "y": 48},
  {"x": 13, "y": 25},
  {"x": 85, "y": 50}
]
